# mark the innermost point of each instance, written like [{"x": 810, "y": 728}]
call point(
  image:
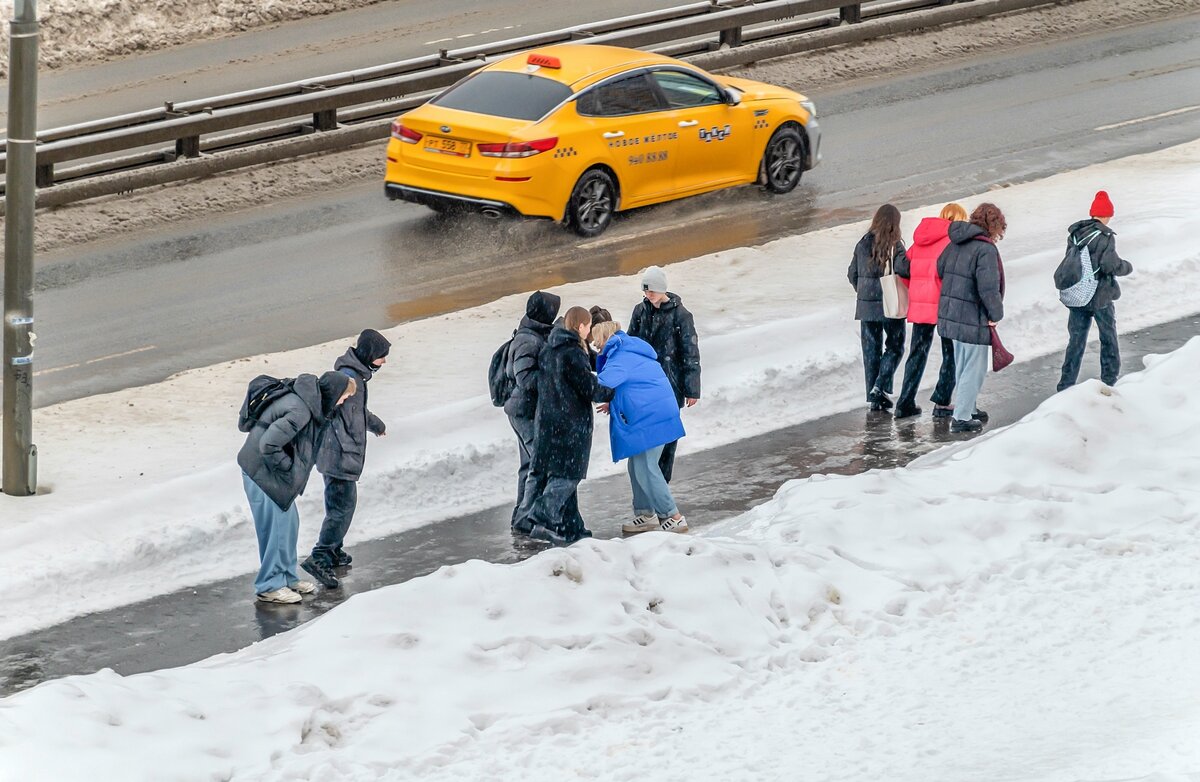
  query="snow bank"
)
[
  {"x": 144, "y": 495},
  {"x": 775, "y": 634}
]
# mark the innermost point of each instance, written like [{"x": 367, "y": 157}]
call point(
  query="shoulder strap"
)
[{"x": 1087, "y": 239}]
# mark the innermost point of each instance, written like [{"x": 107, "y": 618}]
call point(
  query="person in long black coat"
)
[
  {"x": 566, "y": 390},
  {"x": 878, "y": 252},
  {"x": 540, "y": 311},
  {"x": 662, "y": 320}
]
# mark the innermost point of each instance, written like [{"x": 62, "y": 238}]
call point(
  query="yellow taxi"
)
[{"x": 579, "y": 132}]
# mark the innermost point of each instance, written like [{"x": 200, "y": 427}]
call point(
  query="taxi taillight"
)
[
  {"x": 518, "y": 148},
  {"x": 407, "y": 135},
  {"x": 544, "y": 61}
]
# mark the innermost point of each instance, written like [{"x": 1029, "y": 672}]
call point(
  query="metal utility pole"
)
[{"x": 20, "y": 194}]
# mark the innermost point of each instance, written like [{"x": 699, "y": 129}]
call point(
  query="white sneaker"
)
[
  {"x": 640, "y": 524},
  {"x": 281, "y": 595},
  {"x": 303, "y": 587},
  {"x": 674, "y": 525}
]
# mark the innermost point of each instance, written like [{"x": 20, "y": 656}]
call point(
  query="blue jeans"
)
[
  {"x": 277, "y": 531},
  {"x": 970, "y": 369},
  {"x": 341, "y": 498},
  {"x": 651, "y": 494}
]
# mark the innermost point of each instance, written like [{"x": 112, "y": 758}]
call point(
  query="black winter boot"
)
[{"x": 321, "y": 570}]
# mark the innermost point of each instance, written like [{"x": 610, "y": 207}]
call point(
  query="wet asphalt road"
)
[
  {"x": 303, "y": 271},
  {"x": 193, "y": 624}
]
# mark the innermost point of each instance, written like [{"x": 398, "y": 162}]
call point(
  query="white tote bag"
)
[{"x": 895, "y": 294}]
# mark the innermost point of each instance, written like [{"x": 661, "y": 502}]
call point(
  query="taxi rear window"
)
[{"x": 505, "y": 94}]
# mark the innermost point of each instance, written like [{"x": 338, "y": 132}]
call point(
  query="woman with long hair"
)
[
  {"x": 566, "y": 389},
  {"x": 924, "y": 290},
  {"x": 972, "y": 301},
  {"x": 876, "y": 254},
  {"x": 643, "y": 418}
]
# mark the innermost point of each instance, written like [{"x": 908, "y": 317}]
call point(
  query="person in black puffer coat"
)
[
  {"x": 1108, "y": 266},
  {"x": 343, "y": 454},
  {"x": 663, "y": 321},
  {"x": 563, "y": 430},
  {"x": 971, "y": 302},
  {"x": 276, "y": 459},
  {"x": 879, "y": 251},
  {"x": 540, "y": 311}
]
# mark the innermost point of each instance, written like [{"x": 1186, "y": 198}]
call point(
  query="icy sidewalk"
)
[
  {"x": 145, "y": 498},
  {"x": 1019, "y": 606},
  {"x": 190, "y": 625}
]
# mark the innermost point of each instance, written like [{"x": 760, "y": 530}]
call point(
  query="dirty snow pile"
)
[
  {"x": 144, "y": 495},
  {"x": 1021, "y": 606}
]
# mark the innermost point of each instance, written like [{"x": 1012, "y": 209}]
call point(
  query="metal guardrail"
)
[{"x": 338, "y": 101}]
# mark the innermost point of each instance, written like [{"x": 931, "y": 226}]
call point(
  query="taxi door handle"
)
[
  {"x": 688, "y": 123},
  {"x": 614, "y": 134}
]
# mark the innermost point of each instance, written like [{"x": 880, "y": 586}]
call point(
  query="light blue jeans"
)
[
  {"x": 277, "y": 531},
  {"x": 970, "y": 369},
  {"x": 651, "y": 494}
]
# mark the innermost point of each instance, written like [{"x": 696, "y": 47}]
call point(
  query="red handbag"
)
[{"x": 1000, "y": 355}]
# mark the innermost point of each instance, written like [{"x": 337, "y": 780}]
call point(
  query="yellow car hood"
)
[{"x": 756, "y": 90}]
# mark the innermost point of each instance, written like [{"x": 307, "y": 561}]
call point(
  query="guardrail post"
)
[
  {"x": 851, "y": 14},
  {"x": 731, "y": 37},
  {"x": 325, "y": 120},
  {"x": 44, "y": 175},
  {"x": 188, "y": 146}
]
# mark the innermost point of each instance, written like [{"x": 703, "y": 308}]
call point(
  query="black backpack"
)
[
  {"x": 262, "y": 391},
  {"x": 500, "y": 382}
]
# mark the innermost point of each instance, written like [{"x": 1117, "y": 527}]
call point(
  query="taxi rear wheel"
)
[
  {"x": 783, "y": 160},
  {"x": 592, "y": 203}
]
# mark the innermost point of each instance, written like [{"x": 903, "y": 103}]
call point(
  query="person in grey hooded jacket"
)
[
  {"x": 276, "y": 460},
  {"x": 344, "y": 452}
]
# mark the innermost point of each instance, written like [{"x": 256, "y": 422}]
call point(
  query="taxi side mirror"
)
[{"x": 731, "y": 98}]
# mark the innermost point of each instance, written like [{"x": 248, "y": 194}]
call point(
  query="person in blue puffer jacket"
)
[{"x": 643, "y": 418}]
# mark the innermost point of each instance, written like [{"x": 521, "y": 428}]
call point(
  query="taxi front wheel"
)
[
  {"x": 592, "y": 203},
  {"x": 783, "y": 160}
]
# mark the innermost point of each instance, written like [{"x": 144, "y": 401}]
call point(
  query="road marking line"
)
[
  {"x": 93, "y": 361},
  {"x": 439, "y": 40},
  {"x": 1148, "y": 119},
  {"x": 466, "y": 35}
]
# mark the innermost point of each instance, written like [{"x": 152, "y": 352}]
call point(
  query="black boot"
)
[
  {"x": 341, "y": 558},
  {"x": 879, "y": 400},
  {"x": 906, "y": 410},
  {"x": 322, "y": 570},
  {"x": 965, "y": 426}
]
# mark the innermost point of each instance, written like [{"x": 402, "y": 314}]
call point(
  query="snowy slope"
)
[
  {"x": 144, "y": 495},
  {"x": 1017, "y": 607}
]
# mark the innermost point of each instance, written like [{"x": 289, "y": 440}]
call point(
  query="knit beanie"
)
[
  {"x": 654, "y": 280},
  {"x": 332, "y": 386},
  {"x": 1101, "y": 206},
  {"x": 371, "y": 347}
]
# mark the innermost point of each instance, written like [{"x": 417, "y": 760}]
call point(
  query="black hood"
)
[
  {"x": 1085, "y": 227},
  {"x": 542, "y": 307},
  {"x": 350, "y": 360},
  {"x": 961, "y": 232},
  {"x": 671, "y": 303},
  {"x": 332, "y": 385},
  {"x": 307, "y": 388},
  {"x": 537, "y": 327},
  {"x": 371, "y": 347}
]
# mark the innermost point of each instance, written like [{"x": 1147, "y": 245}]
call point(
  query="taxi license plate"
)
[{"x": 447, "y": 146}]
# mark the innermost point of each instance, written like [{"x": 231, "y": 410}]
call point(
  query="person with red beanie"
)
[
  {"x": 1100, "y": 241},
  {"x": 924, "y": 291}
]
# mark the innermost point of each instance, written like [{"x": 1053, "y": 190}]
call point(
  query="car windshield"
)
[{"x": 505, "y": 94}]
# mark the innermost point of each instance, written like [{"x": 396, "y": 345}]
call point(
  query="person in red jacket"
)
[{"x": 924, "y": 290}]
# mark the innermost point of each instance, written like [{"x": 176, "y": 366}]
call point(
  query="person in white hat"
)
[{"x": 662, "y": 320}]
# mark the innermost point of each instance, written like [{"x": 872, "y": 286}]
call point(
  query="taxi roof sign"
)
[{"x": 544, "y": 60}]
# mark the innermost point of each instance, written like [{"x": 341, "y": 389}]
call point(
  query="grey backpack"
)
[{"x": 1080, "y": 291}]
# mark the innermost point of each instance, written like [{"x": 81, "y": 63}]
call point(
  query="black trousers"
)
[
  {"x": 666, "y": 462},
  {"x": 882, "y": 347},
  {"x": 914, "y": 368},
  {"x": 341, "y": 498},
  {"x": 1079, "y": 323}
]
